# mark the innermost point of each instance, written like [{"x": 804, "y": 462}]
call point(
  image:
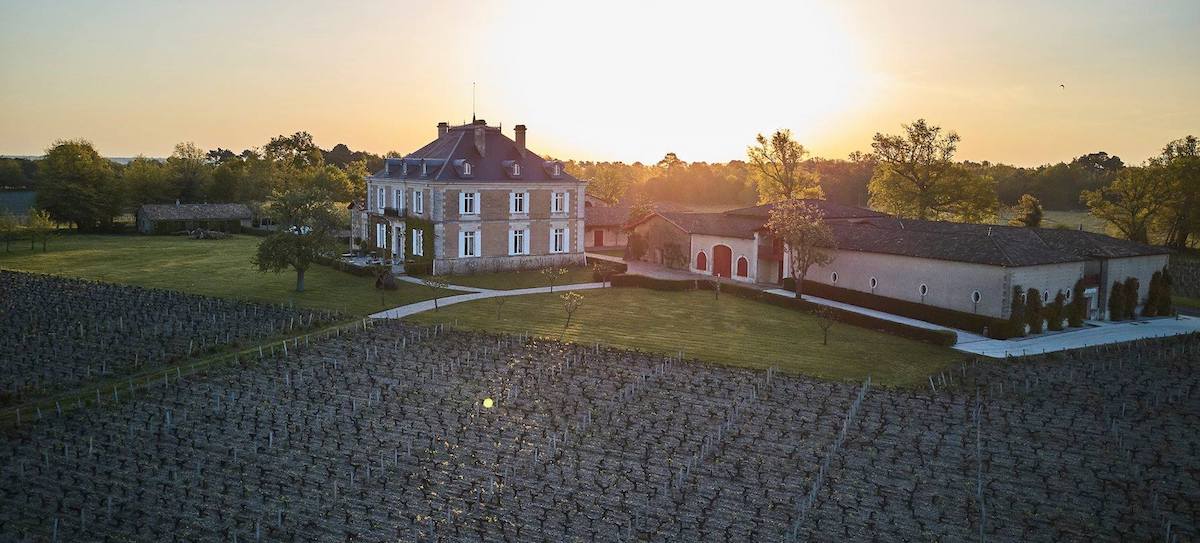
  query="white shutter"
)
[
  {"x": 462, "y": 206},
  {"x": 552, "y": 229},
  {"x": 525, "y": 202},
  {"x": 567, "y": 203},
  {"x": 566, "y": 240},
  {"x": 512, "y": 202},
  {"x": 525, "y": 242},
  {"x": 462, "y": 238}
]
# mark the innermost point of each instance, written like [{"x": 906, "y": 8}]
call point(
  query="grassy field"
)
[
  {"x": 732, "y": 331},
  {"x": 1183, "y": 301},
  {"x": 518, "y": 279},
  {"x": 219, "y": 268},
  {"x": 1069, "y": 219}
]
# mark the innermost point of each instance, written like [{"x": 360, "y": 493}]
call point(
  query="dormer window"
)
[
  {"x": 466, "y": 168},
  {"x": 516, "y": 169},
  {"x": 557, "y": 169},
  {"x": 424, "y": 169},
  {"x": 404, "y": 169}
]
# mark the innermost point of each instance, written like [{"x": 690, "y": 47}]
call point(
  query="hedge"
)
[
  {"x": 601, "y": 267},
  {"x": 980, "y": 324},
  {"x": 340, "y": 265},
  {"x": 944, "y": 338}
]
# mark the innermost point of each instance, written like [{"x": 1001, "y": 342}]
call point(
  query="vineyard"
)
[
  {"x": 386, "y": 433},
  {"x": 59, "y": 333}
]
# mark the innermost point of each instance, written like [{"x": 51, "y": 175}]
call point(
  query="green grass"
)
[
  {"x": 220, "y": 268},
  {"x": 1067, "y": 219},
  {"x": 732, "y": 331},
  {"x": 512, "y": 280},
  {"x": 1184, "y": 301}
]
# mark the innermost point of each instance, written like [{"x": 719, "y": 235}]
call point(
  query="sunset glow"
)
[{"x": 614, "y": 80}]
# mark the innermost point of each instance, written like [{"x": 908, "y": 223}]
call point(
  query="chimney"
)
[
  {"x": 443, "y": 128},
  {"x": 480, "y": 134},
  {"x": 521, "y": 139}
]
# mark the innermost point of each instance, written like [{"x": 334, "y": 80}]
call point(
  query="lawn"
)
[
  {"x": 1065, "y": 219},
  {"x": 732, "y": 331},
  {"x": 619, "y": 252},
  {"x": 1184, "y": 301},
  {"x": 511, "y": 280},
  {"x": 219, "y": 268}
]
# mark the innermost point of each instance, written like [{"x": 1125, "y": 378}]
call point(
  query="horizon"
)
[{"x": 156, "y": 75}]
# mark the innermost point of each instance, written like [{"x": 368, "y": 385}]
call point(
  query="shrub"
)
[
  {"x": 1078, "y": 309},
  {"x": 1152, "y": 295},
  {"x": 1016, "y": 313},
  {"x": 1164, "y": 293},
  {"x": 635, "y": 247},
  {"x": 1054, "y": 312},
  {"x": 418, "y": 268},
  {"x": 1033, "y": 311},
  {"x": 1131, "y": 297},
  {"x": 1116, "y": 302}
]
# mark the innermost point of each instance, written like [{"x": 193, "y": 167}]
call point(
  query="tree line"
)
[{"x": 75, "y": 185}]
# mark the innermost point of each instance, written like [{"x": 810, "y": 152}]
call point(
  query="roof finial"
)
[{"x": 472, "y": 102}]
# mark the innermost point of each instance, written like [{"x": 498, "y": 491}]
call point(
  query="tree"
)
[
  {"x": 779, "y": 164},
  {"x": 916, "y": 177},
  {"x": 1180, "y": 220},
  {"x": 11, "y": 174},
  {"x": 1029, "y": 212},
  {"x": 825, "y": 322},
  {"x": 1131, "y": 297},
  {"x": 9, "y": 226},
  {"x": 1055, "y": 312},
  {"x": 571, "y": 301},
  {"x": 77, "y": 186},
  {"x": 1116, "y": 302},
  {"x": 40, "y": 227},
  {"x": 190, "y": 172},
  {"x": 356, "y": 175},
  {"x": 1078, "y": 309},
  {"x": 1131, "y": 201},
  {"x": 1016, "y": 312},
  {"x": 636, "y": 246},
  {"x": 1153, "y": 292},
  {"x": 802, "y": 229},
  {"x": 298, "y": 150},
  {"x": 306, "y": 219},
  {"x": 553, "y": 274},
  {"x": 436, "y": 286},
  {"x": 1033, "y": 311},
  {"x": 499, "y": 301},
  {"x": 1164, "y": 294},
  {"x": 147, "y": 181}
]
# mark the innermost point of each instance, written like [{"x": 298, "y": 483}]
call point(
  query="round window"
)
[
  {"x": 924, "y": 289},
  {"x": 975, "y": 296},
  {"x": 833, "y": 277},
  {"x": 1068, "y": 293},
  {"x": 874, "y": 282},
  {"x": 1046, "y": 296}
]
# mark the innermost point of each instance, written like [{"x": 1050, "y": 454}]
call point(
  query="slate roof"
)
[
  {"x": 195, "y": 212},
  {"x": 606, "y": 216},
  {"x": 856, "y": 229},
  {"x": 458, "y": 143}
]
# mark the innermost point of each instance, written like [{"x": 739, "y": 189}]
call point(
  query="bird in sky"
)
[{"x": 1062, "y": 85}]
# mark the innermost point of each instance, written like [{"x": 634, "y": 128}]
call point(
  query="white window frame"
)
[
  {"x": 560, "y": 240},
  {"x": 923, "y": 290},
  {"x": 512, "y": 203},
  {"x": 398, "y": 203},
  {"x": 466, "y": 168},
  {"x": 558, "y": 202},
  {"x": 519, "y": 243},
  {"x": 418, "y": 201},
  {"x": 463, "y": 236},
  {"x": 380, "y": 198},
  {"x": 873, "y": 283},
  {"x": 463, "y": 198},
  {"x": 380, "y": 235},
  {"x": 976, "y": 297},
  {"x": 516, "y": 169},
  {"x": 833, "y": 277},
  {"x": 418, "y": 242},
  {"x": 557, "y": 169}
]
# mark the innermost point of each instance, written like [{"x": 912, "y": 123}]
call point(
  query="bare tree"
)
[
  {"x": 435, "y": 285},
  {"x": 570, "y": 302},
  {"x": 553, "y": 274},
  {"x": 825, "y": 322},
  {"x": 499, "y": 300},
  {"x": 802, "y": 229}
]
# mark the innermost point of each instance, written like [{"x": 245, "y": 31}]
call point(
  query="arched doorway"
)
[
  {"x": 701, "y": 261},
  {"x": 743, "y": 267},
  {"x": 722, "y": 260}
]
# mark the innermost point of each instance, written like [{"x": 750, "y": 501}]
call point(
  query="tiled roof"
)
[
  {"x": 857, "y": 229},
  {"x": 606, "y": 216},
  {"x": 458, "y": 144},
  {"x": 195, "y": 212}
]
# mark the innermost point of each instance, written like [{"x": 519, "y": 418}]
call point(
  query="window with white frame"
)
[
  {"x": 468, "y": 243},
  {"x": 557, "y": 169},
  {"x": 558, "y": 204},
  {"x": 923, "y": 289},
  {"x": 418, "y": 242},
  {"x": 874, "y": 283},
  {"x": 516, "y": 170},
  {"x": 380, "y": 235},
  {"x": 466, "y": 168},
  {"x": 418, "y": 201},
  {"x": 976, "y": 296},
  {"x": 380, "y": 199},
  {"x": 517, "y": 202},
  {"x": 468, "y": 203},
  {"x": 558, "y": 240},
  {"x": 518, "y": 241},
  {"x": 398, "y": 201},
  {"x": 833, "y": 277}
]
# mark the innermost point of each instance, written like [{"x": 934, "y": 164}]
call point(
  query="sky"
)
[{"x": 1022, "y": 82}]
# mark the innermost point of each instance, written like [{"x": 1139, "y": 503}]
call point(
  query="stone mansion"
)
[{"x": 473, "y": 200}]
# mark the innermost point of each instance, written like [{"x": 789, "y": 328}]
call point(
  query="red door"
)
[
  {"x": 722, "y": 260},
  {"x": 598, "y": 238}
]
